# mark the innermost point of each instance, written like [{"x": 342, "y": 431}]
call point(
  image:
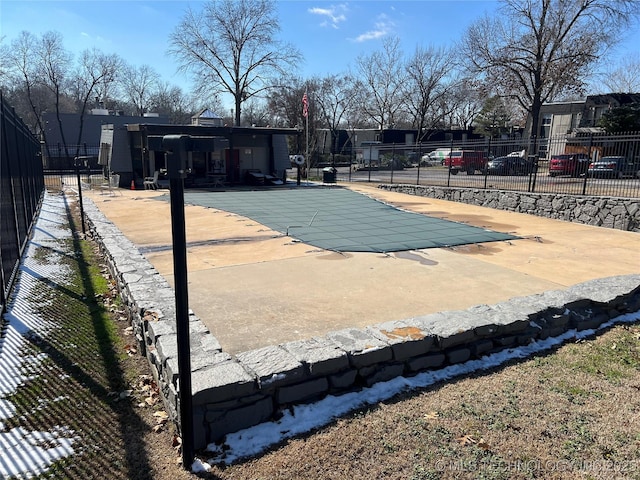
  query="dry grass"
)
[
  {"x": 569, "y": 414},
  {"x": 572, "y": 413}
]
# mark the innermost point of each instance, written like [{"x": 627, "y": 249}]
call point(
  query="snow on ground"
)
[
  {"x": 24, "y": 453},
  {"x": 304, "y": 418}
]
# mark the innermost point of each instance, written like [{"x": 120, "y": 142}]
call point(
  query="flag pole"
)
[
  {"x": 307, "y": 149},
  {"x": 306, "y": 117}
]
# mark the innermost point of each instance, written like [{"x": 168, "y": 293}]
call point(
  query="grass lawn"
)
[{"x": 573, "y": 413}]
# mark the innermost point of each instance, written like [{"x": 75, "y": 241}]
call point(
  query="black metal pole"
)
[
  {"x": 80, "y": 197},
  {"x": 586, "y": 171},
  {"x": 182, "y": 318},
  {"x": 419, "y": 162},
  {"x": 393, "y": 159},
  {"x": 176, "y": 147}
]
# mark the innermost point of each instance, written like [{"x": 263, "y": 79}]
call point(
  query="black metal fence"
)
[
  {"x": 579, "y": 164},
  {"x": 59, "y": 160},
  {"x": 21, "y": 190}
]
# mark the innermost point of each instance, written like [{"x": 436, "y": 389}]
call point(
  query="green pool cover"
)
[{"x": 342, "y": 220}]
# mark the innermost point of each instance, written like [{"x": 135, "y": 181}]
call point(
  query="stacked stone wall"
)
[
  {"x": 235, "y": 392},
  {"x": 609, "y": 212}
]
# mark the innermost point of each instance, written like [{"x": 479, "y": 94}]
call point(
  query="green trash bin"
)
[{"x": 329, "y": 175}]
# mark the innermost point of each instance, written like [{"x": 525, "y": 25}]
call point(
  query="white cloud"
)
[
  {"x": 382, "y": 27},
  {"x": 335, "y": 15}
]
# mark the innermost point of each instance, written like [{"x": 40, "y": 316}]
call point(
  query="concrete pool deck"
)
[{"x": 253, "y": 286}]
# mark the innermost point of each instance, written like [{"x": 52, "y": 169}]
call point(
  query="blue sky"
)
[{"x": 330, "y": 35}]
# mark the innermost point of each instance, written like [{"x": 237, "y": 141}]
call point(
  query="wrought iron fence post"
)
[
  {"x": 486, "y": 167},
  {"x": 586, "y": 173},
  {"x": 77, "y": 165},
  {"x": 393, "y": 159},
  {"x": 419, "y": 162},
  {"x": 370, "y": 148},
  {"x": 450, "y": 160},
  {"x": 532, "y": 178}
]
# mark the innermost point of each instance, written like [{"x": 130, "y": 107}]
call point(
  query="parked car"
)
[
  {"x": 573, "y": 164},
  {"x": 468, "y": 161},
  {"x": 430, "y": 160},
  {"x": 509, "y": 165},
  {"x": 614, "y": 167}
]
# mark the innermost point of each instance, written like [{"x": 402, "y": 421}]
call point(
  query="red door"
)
[{"x": 232, "y": 159}]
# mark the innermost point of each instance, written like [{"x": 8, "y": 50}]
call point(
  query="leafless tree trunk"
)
[
  {"x": 170, "y": 101},
  {"x": 20, "y": 59},
  {"x": 428, "y": 80},
  {"x": 95, "y": 68},
  {"x": 382, "y": 75},
  {"x": 230, "y": 47},
  {"x": 335, "y": 98},
  {"x": 138, "y": 85},
  {"x": 540, "y": 49},
  {"x": 285, "y": 105},
  {"x": 54, "y": 62}
]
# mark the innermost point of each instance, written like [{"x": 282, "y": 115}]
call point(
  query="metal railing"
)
[
  {"x": 422, "y": 164},
  {"x": 21, "y": 190}
]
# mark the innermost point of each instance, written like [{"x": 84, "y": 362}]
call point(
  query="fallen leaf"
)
[
  {"x": 162, "y": 415},
  {"x": 431, "y": 415},
  {"x": 177, "y": 443},
  {"x": 482, "y": 443},
  {"x": 466, "y": 440}
]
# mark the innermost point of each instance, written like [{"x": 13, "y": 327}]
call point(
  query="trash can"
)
[{"x": 329, "y": 175}]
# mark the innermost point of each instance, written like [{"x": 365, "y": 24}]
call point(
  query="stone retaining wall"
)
[
  {"x": 232, "y": 393},
  {"x": 610, "y": 212}
]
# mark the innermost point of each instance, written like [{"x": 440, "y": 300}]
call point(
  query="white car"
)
[{"x": 430, "y": 161}]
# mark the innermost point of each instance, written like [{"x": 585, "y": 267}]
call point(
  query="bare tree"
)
[
  {"x": 230, "y": 47},
  {"x": 95, "y": 69},
  {"x": 463, "y": 102},
  {"x": 4, "y": 61},
  {"x": 428, "y": 80},
  {"x": 54, "y": 62},
  {"x": 540, "y": 49},
  {"x": 382, "y": 76},
  {"x": 623, "y": 77},
  {"x": 23, "y": 72},
  {"x": 138, "y": 85},
  {"x": 335, "y": 97},
  {"x": 256, "y": 113},
  {"x": 285, "y": 105},
  {"x": 170, "y": 101}
]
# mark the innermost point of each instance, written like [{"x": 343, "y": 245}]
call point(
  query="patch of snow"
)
[
  {"x": 27, "y": 454},
  {"x": 24, "y": 453},
  {"x": 199, "y": 466},
  {"x": 304, "y": 418}
]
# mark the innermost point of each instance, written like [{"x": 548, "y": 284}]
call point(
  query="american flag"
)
[{"x": 305, "y": 105}]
